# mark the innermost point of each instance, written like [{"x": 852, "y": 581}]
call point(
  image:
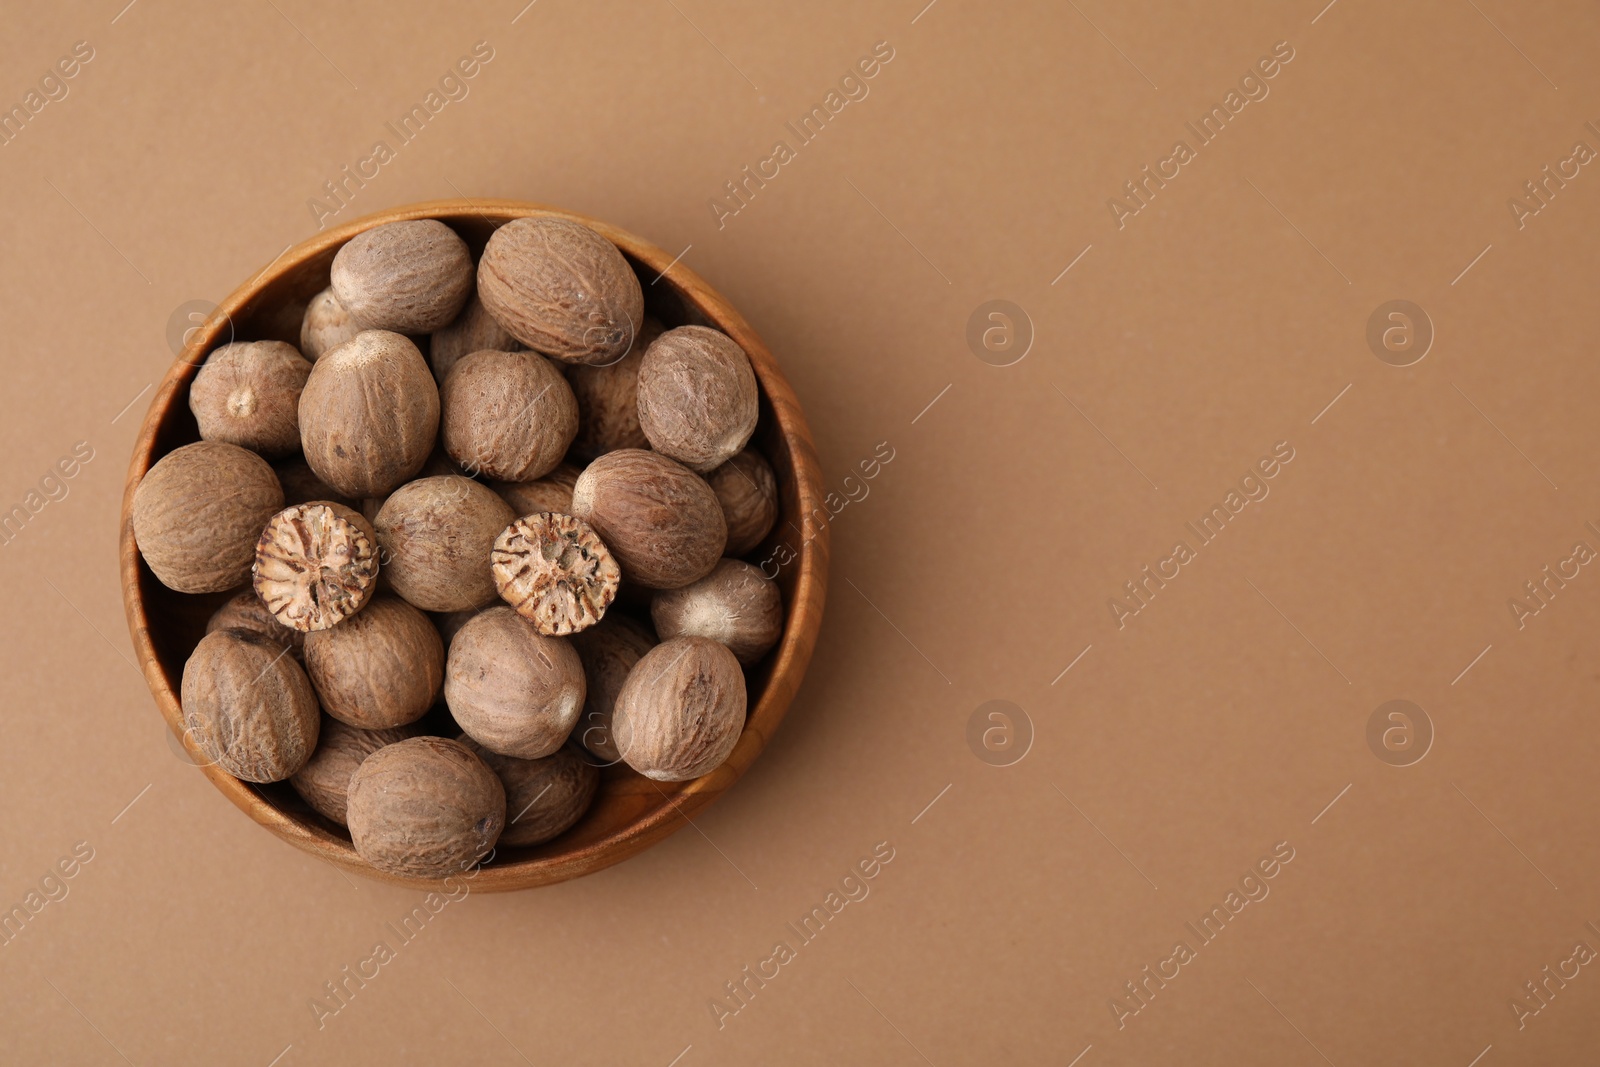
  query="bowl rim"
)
[{"x": 792, "y": 656}]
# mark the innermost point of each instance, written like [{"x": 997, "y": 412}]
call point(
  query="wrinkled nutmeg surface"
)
[
  {"x": 608, "y": 399},
  {"x": 316, "y": 565},
  {"x": 514, "y": 690},
  {"x": 609, "y": 652},
  {"x": 198, "y": 512},
  {"x": 245, "y": 611},
  {"x": 748, "y": 492},
  {"x": 553, "y": 492},
  {"x": 381, "y": 667},
  {"x": 735, "y": 605},
  {"x": 324, "y": 782},
  {"x": 698, "y": 400},
  {"x": 436, "y": 535},
  {"x": 681, "y": 710},
  {"x": 508, "y": 415},
  {"x": 248, "y": 706},
  {"x": 544, "y": 797},
  {"x": 555, "y": 571},
  {"x": 412, "y": 276},
  {"x": 561, "y": 289},
  {"x": 326, "y": 325},
  {"x": 425, "y": 807},
  {"x": 369, "y": 414},
  {"x": 473, "y": 331},
  {"x": 661, "y": 519},
  {"x": 248, "y": 394}
]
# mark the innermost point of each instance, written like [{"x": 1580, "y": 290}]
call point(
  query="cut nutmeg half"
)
[
  {"x": 316, "y": 565},
  {"x": 555, "y": 571}
]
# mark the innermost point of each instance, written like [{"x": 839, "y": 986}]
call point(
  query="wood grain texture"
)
[{"x": 630, "y": 813}]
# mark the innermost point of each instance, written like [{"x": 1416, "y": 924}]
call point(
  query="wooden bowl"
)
[{"x": 630, "y": 812}]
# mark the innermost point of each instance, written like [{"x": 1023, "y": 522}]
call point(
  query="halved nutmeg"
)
[
  {"x": 555, "y": 571},
  {"x": 316, "y": 565}
]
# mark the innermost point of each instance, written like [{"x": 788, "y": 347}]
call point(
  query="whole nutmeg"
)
[
  {"x": 245, "y": 611},
  {"x": 379, "y": 668},
  {"x": 748, "y": 492},
  {"x": 553, "y": 492},
  {"x": 425, "y": 807},
  {"x": 369, "y": 414},
  {"x": 412, "y": 276},
  {"x": 198, "y": 512},
  {"x": 316, "y": 564},
  {"x": 735, "y": 604},
  {"x": 473, "y": 331},
  {"x": 436, "y": 535},
  {"x": 608, "y": 651},
  {"x": 248, "y": 394},
  {"x": 509, "y": 415},
  {"x": 326, "y": 325},
  {"x": 516, "y": 691},
  {"x": 608, "y": 399},
  {"x": 301, "y": 485},
  {"x": 698, "y": 399},
  {"x": 248, "y": 706},
  {"x": 324, "y": 782},
  {"x": 561, "y": 289},
  {"x": 681, "y": 710},
  {"x": 661, "y": 519},
  {"x": 544, "y": 797},
  {"x": 555, "y": 571}
]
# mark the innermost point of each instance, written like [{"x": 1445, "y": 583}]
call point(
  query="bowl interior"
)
[{"x": 630, "y": 812}]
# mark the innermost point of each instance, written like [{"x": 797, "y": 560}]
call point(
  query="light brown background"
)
[{"x": 1222, "y": 720}]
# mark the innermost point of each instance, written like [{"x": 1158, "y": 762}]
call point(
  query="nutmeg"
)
[
  {"x": 555, "y": 571},
  {"x": 561, "y": 289},
  {"x": 698, "y": 399},
  {"x": 516, "y": 691},
  {"x": 245, "y": 611},
  {"x": 608, "y": 399},
  {"x": 508, "y": 415},
  {"x": 436, "y": 535},
  {"x": 369, "y": 414},
  {"x": 553, "y": 492},
  {"x": 198, "y": 512},
  {"x": 412, "y": 276},
  {"x": 609, "y": 651},
  {"x": 425, "y": 807},
  {"x": 661, "y": 519},
  {"x": 735, "y": 604},
  {"x": 681, "y": 710},
  {"x": 248, "y": 394},
  {"x": 316, "y": 564},
  {"x": 379, "y": 668},
  {"x": 324, "y": 782},
  {"x": 301, "y": 485},
  {"x": 544, "y": 797},
  {"x": 326, "y": 325},
  {"x": 748, "y": 492},
  {"x": 473, "y": 331},
  {"x": 248, "y": 706}
]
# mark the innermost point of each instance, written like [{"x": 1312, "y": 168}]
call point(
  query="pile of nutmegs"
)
[{"x": 459, "y": 526}]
